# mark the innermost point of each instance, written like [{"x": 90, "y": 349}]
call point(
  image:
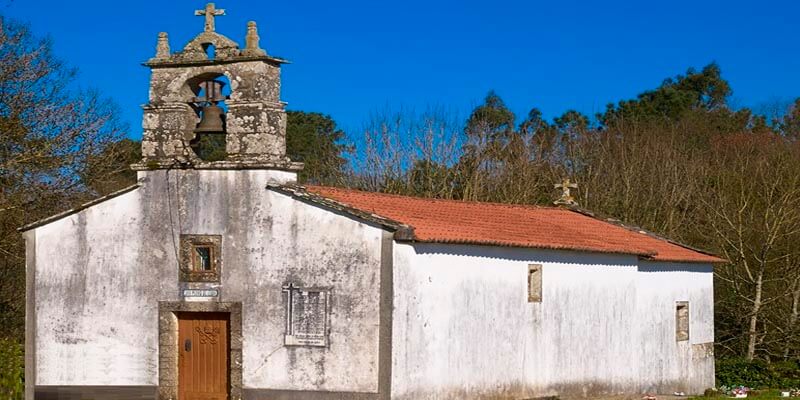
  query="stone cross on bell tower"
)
[
  {"x": 210, "y": 12},
  {"x": 214, "y": 89}
]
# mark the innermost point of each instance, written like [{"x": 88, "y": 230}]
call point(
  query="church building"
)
[{"x": 226, "y": 279}]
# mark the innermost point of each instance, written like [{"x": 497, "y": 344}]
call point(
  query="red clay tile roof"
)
[{"x": 450, "y": 221}]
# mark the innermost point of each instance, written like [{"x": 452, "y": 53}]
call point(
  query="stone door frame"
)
[{"x": 168, "y": 344}]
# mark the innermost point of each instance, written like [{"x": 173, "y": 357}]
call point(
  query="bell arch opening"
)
[{"x": 210, "y": 90}]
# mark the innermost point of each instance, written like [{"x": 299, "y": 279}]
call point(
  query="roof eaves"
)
[
  {"x": 643, "y": 231},
  {"x": 497, "y": 243},
  {"x": 401, "y": 231},
  {"x": 47, "y": 220}
]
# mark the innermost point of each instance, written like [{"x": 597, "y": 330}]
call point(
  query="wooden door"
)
[{"x": 203, "y": 363}]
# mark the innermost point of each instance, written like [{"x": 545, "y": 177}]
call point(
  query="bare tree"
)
[
  {"x": 50, "y": 132},
  {"x": 754, "y": 214},
  {"x": 409, "y": 153}
]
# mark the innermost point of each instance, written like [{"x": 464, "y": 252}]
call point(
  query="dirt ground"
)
[{"x": 629, "y": 397}]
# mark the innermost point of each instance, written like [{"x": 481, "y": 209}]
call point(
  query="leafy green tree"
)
[
  {"x": 705, "y": 90},
  {"x": 492, "y": 119},
  {"x": 314, "y": 139},
  {"x": 533, "y": 122},
  {"x": 789, "y": 125},
  {"x": 489, "y": 129},
  {"x": 571, "y": 122},
  {"x": 543, "y": 135},
  {"x": 210, "y": 147}
]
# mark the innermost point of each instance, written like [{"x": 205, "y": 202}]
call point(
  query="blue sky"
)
[{"x": 353, "y": 58}]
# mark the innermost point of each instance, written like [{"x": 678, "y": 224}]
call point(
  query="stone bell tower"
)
[{"x": 188, "y": 100}]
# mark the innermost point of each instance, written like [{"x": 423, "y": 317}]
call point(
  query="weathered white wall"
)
[
  {"x": 95, "y": 320},
  {"x": 307, "y": 245},
  {"x": 687, "y": 366},
  {"x": 463, "y": 328},
  {"x": 101, "y": 272}
]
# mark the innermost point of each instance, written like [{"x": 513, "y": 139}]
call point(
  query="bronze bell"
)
[{"x": 211, "y": 121}]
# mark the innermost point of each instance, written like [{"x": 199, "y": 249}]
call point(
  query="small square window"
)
[
  {"x": 534, "y": 283},
  {"x": 200, "y": 258},
  {"x": 682, "y": 321}
]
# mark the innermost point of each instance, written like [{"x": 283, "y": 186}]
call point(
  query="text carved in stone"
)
[{"x": 306, "y": 316}]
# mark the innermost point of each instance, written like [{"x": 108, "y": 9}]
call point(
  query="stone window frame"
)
[
  {"x": 682, "y": 321},
  {"x": 168, "y": 347},
  {"x": 188, "y": 273},
  {"x": 535, "y": 283}
]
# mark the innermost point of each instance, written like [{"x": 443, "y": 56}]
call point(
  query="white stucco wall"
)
[
  {"x": 93, "y": 326},
  {"x": 463, "y": 328},
  {"x": 100, "y": 274},
  {"x": 686, "y": 366},
  {"x": 320, "y": 249}
]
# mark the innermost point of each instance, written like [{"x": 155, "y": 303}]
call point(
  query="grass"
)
[{"x": 756, "y": 394}]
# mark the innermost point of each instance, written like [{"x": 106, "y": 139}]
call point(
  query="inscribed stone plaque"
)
[
  {"x": 200, "y": 293},
  {"x": 306, "y": 316}
]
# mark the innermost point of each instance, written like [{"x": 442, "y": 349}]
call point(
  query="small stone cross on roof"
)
[
  {"x": 566, "y": 197},
  {"x": 210, "y": 12}
]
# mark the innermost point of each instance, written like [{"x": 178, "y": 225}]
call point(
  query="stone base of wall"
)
[
  {"x": 264, "y": 394},
  {"x": 96, "y": 392},
  {"x": 151, "y": 393}
]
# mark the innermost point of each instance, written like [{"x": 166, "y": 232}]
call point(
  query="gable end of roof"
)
[
  {"x": 52, "y": 218},
  {"x": 401, "y": 231}
]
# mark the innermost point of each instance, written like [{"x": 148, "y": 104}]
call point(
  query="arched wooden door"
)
[{"x": 203, "y": 365}]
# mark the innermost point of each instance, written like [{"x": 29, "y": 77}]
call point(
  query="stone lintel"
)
[
  {"x": 171, "y": 106},
  {"x": 157, "y": 63},
  {"x": 267, "y": 105},
  {"x": 219, "y": 165}
]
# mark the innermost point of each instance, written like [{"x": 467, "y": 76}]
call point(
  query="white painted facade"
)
[
  {"x": 461, "y": 324},
  {"x": 100, "y": 273},
  {"x": 92, "y": 325}
]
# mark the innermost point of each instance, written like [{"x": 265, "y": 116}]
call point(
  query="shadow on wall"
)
[
  {"x": 526, "y": 254},
  {"x": 660, "y": 266}
]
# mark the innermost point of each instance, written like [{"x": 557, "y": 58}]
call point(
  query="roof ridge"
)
[
  {"x": 459, "y": 201},
  {"x": 597, "y": 216},
  {"x": 407, "y": 231}
]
